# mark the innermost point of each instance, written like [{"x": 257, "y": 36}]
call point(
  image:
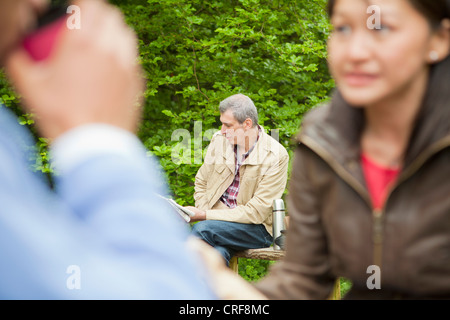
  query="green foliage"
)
[
  {"x": 346, "y": 285},
  {"x": 195, "y": 53},
  {"x": 253, "y": 270},
  {"x": 8, "y": 97},
  {"x": 11, "y": 100}
]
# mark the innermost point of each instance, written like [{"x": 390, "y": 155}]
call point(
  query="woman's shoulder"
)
[{"x": 314, "y": 118}]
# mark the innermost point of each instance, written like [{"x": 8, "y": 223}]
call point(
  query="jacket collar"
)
[
  {"x": 264, "y": 146},
  {"x": 334, "y": 132}
]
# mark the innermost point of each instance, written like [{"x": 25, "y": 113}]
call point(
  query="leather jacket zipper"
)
[
  {"x": 377, "y": 236},
  {"x": 377, "y": 214}
]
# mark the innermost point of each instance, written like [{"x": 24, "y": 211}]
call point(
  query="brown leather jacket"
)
[{"x": 333, "y": 230}]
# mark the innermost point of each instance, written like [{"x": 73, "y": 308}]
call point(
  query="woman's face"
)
[{"x": 372, "y": 63}]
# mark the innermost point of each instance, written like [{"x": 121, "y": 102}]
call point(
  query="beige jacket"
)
[{"x": 263, "y": 178}]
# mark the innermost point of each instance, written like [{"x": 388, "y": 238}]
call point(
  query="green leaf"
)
[{"x": 168, "y": 113}]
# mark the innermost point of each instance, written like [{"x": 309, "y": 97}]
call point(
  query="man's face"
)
[
  {"x": 17, "y": 17},
  {"x": 234, "y": 131}
]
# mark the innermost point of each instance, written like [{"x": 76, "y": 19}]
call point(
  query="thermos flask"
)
[{"x": 279, "y": 212}]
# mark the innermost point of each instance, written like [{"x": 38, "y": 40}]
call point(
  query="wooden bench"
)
[
  {"x": 272, "y": 255},
  {"x": 260, "y": 254}
]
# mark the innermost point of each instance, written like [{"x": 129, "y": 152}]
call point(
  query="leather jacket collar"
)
[{"x": 333, "y": 132}]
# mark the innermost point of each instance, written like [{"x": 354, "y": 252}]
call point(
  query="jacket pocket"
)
[
  {"x": 250, "y": 172},
  {"x": 219, "y": 168},
  {"x": 249, "y": 182},
  {"x": 217, "y": 178},
  {"x": 218, "y": 181}
]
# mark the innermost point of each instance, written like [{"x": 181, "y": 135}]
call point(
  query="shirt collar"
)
[{"x": 245, "y": 155}]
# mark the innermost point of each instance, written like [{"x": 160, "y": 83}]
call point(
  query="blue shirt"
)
[{"x": 101, "y": 234}]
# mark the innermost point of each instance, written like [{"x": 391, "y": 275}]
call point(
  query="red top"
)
[{"x": 378, "y": 179}]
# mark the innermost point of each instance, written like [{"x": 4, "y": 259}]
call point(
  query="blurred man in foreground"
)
[{"x": 98, "y": 235}]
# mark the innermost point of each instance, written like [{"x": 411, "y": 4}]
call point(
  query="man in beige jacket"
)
[{"x": 244, "y": 171}]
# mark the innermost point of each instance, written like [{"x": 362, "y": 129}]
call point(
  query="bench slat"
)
[{"x": 261, "y": 254}]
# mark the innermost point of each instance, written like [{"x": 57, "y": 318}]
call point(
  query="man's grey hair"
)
[{"x": 242, "y": 108}]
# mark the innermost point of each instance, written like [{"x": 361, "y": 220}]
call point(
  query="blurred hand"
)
[
  {"x": 17, "y": 17},
  {"x": 226, "y": 284},
  {"x": 92, "y": 76},
  {"x": 200, "y": 215}
]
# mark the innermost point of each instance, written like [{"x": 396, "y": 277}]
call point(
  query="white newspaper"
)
[{"x": 186, "y": 214}]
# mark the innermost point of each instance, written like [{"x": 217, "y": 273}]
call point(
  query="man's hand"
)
[
  {"x": 226, "y": 284},
  {"x": 200, "y": 215},
  {"x": 92, "y": 75}
]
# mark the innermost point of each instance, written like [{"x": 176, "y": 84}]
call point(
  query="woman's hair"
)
[{"x": 434, "y": 10}]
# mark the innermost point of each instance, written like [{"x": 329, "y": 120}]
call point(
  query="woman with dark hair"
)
[{"x": 369, "y": 196}]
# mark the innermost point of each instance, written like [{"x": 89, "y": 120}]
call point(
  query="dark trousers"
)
[{"x": 231, "y": 237}]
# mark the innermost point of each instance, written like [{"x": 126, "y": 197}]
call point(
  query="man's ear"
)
[
  {"x": 248, "y": 123},
  {"x": 440, "y": 44}
]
